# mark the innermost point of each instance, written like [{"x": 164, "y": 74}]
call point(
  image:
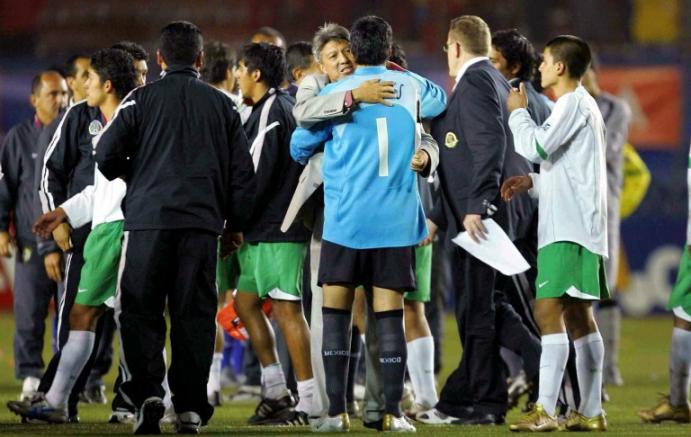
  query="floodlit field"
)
[{"x": 645, "y": 348}]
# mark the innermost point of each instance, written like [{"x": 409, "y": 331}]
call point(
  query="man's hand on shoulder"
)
[
  {"x": 374, "y": 91},
  {"x": 517, "y": 98}
]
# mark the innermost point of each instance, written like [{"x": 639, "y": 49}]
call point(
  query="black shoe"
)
[
  {"x": 146, "y": 420},
  {"x": 378, "y": 425},
  {"x": 270, "y": 409},
  {"x": 188, "y": 423},
  {"x": 290, "y": 417},
  {"x": 481, "y": 419}
]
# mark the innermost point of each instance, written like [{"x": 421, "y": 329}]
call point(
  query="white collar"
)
[{"x": 467, "y": 65}]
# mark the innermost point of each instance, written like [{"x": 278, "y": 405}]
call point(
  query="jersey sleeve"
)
[{"x": 116, "y": 142}]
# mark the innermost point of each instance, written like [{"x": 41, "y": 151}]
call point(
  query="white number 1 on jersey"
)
[{"x": 383, "y": 140}]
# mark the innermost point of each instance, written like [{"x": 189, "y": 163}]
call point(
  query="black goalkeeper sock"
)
[
  {"x": 353, "y": 366},
  {"x": 336, "y": 354},
  {"x": 393, "y": 354}
]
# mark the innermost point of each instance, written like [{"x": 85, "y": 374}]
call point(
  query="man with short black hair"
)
[
  {"x": 76, "y": 72},
  {"x": 300, "y": 61},
  {"x": 271, "y": 261},
  {"x": 140, "y": 56},
  {"x": 34, "y": 280},
  {"x": 180, "y": 145},
  {"x": 269, "y": 35}
]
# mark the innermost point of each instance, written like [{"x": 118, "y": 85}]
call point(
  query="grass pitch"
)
[{"x": 645, "y": 346}]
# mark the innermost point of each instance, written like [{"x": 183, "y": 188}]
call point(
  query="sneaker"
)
[
  {"x": 537, "y": 420},
  {"x": 29, "y": 388},
  {"x": 391, "y": 423},
  {"x": 517, "y": 387},
  {"x": 435, "y": 417},
  {"x": 291, "y": 417},
  {"x": 121, "y": 415},
  {"x": 269, "y": 410},
  {"x": 94, "y": 395},
  {"x": 38, "y": 410},
  {"x": 340, "y": 423},
  {"x": 188, "y": 422},
  {"x": 578, "y": 422},
  {"x": 148, "y": 416},
  {"x": 417, "y": 409},
  {"x": 665, "y": 411}
]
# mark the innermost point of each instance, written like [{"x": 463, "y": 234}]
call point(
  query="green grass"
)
[{"x": 645, "y": 346}]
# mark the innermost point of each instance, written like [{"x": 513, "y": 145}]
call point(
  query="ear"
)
[
  {"x": 33, "y": 100},
  {"x": 515, "y": 68},
  {"x": 321, "y": 68},
  {"x": 256, "y": 75},
  {"x": 108, "y": 87},
  {"x": 199, "y": 62},
  {"x": 457, "y": 49},
  {"x": 561, "y": 68},
  {"x": 159, "y": 59},
  {"x": 296, "y": 73}
]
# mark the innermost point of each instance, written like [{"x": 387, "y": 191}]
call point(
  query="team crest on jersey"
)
[
  {"x": 95, "y": 127},
  {"x": 450, "y": 140}
]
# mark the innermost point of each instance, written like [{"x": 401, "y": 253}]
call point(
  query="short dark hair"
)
[
  {"x": 135, "y": 50},
  {"x": 218, "y": 59},
  {"x": 71, "y": 64},
  {"x": 180, "y": 43},
  {"x": 398, "y": 55},
  {"x": 117, "y": 66},
  {"x": 299, "y": 55},
  {"x": 268, "y": 59},
  {"x": 270, "y": 31},
  {"x": 37, "y": 80},
  {"x": 517, "y": 50},
  {"x": 572, "y": 51},
  {"x": 370, "y": 40}
]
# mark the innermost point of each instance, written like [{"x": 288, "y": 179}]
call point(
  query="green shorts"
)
[
  {"x": 423, "y": 275},
  {"x": 99, "y": 277},
  {"x": 681, "y": 293},
  {"x": 272, "y": 269},
  {"x": 227, "y": 272},
  {"x": 566, "y": 268}
]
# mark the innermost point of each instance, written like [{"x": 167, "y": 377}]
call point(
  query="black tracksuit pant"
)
[{"x": 179, "y": 266}]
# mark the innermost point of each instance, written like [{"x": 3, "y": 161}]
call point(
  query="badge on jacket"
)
[
  {"x": 95, "y": 127},
  {"x": 451, "y": 140},
  {"x": 26, "y": 254}
]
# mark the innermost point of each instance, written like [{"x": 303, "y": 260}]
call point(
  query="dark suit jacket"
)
[{"x": 477, "y": 155}]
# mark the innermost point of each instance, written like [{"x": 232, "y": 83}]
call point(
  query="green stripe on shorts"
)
[
  {"x": 99, "y": 277},
  {"x": 569, "y": 269}
]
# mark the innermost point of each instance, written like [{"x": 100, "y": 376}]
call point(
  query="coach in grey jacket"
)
[{"x": 33, "y": 288}]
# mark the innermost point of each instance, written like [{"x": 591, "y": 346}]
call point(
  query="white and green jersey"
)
[{"x": 572, "y": 183}]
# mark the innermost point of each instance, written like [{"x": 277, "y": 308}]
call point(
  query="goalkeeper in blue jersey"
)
[{"x": 373, "y": 218}]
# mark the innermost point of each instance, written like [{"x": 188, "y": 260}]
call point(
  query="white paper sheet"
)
[{"x": 496, "y": 251}]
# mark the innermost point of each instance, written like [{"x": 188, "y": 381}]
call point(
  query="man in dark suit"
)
[{"x": 476, "y": 154}]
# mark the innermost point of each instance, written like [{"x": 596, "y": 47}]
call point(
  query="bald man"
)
[{"x": 36, "y": 277}]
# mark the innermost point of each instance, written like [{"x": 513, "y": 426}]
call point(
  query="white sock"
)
[
  {"x": 73, "y": 357},
  {"x": 167, "y": 398},
  {"x": 679, "y": 366},
  {"x": 306, "y": 394},
  {"x": 421, "y": 370},
  {"x": 590, "y": 354},
  {"x": 214, "y": 384},
  {"x": 555, "y": 353},
  {"x": 273, "y": 381}
]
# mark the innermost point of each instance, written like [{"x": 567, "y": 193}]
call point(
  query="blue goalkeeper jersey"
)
[{"x": 371, "y": 198}]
